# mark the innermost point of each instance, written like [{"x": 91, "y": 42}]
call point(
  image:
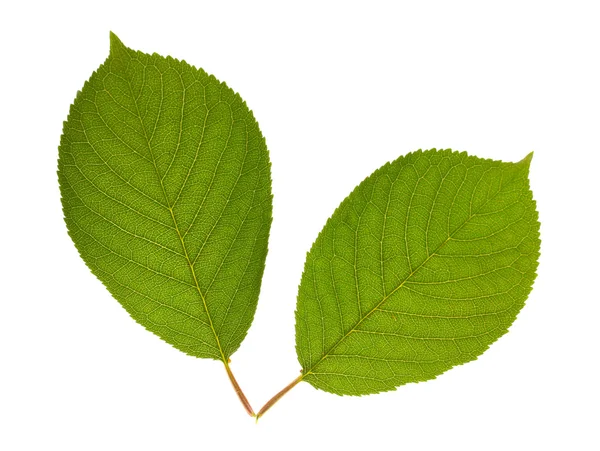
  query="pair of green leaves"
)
[{"x": 166, "y": 189}]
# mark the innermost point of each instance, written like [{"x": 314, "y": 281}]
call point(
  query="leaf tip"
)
[
  {"x": 527, "y": 159},
  {"x": 115, "y": 44},
  {"x": 525, "y": 163}
]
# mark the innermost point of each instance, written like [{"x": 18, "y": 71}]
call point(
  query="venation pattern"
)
[
  {"x": 166, "y": 190},
  {"x": 421, "y": 268}
]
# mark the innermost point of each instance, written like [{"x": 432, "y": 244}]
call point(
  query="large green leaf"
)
[
  {"x": 421, "y": 268},
  {"x": 166, "y": 190}
]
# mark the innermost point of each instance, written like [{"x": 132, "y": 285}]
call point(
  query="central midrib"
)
[
  {"x": 170, "y": 208},
  {"x": 386, "y": 297}
]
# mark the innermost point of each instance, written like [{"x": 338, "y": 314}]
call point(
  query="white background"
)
[{"x": 338, "y": 88}]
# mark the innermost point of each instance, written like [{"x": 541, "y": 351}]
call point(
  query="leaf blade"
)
[
  {"x": 377, "y": 306},
  {"x": 166, "y": 190}
]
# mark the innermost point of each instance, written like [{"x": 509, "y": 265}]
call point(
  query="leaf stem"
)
[
  {"x": 238, "y": 391},
  {"x": 278, "y": 396}
]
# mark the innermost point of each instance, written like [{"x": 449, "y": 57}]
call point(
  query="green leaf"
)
[
  {"x": 421, "y": 268},
  {"x": 166, "y": 190}
]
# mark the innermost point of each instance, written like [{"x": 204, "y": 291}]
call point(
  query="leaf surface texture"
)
[
  {"x": 422, "y": 267},
  {"x": 166, "y": 191}
]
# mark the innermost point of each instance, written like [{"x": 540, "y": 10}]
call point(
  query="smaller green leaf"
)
[{"x": 424, "y": 265}]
